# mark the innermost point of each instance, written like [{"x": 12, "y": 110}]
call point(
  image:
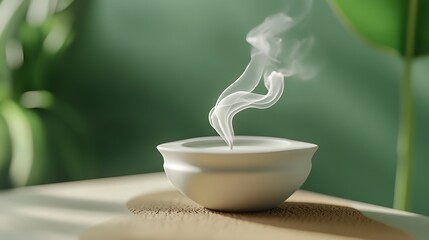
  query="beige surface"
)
[
  {"x": 170, "y": 215},
  {"x": 63, "y": 211}
]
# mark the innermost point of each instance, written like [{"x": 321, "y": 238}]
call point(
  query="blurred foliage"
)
[
  {"x": 140, "y": 73},
  {"x": 398, "y": 26},
  {"x": 42, "y": 138},
  {"x": 383, "y": 23}
]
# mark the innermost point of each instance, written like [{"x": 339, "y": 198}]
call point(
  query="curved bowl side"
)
[
  {"x": 239, "y": 190},
  {"x": 238, "y": 180}
]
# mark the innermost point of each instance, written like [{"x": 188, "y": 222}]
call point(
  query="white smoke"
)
[{"x": 265, "y": 63}]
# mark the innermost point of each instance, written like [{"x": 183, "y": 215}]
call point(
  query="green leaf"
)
[
  {"x": 5, "y": 154},
  {"x": 383, "y": 23},
  {"x": 21, "y": 138}
]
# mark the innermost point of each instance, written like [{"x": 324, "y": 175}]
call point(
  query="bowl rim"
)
[{"x": 278, "y": 145}]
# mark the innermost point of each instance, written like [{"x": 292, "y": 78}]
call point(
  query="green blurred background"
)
[{"x": 140, "y": 73}]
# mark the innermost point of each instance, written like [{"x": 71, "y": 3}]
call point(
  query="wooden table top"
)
[{"x": 147, "y": 207}]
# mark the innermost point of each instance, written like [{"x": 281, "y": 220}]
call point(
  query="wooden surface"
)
[{"x": 147, "y": 207}]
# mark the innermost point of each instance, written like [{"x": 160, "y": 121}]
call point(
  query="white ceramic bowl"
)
[{"x": 259, "y": 173}]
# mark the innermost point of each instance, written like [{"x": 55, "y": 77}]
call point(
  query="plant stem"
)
[{"x": 404, "y": 147}]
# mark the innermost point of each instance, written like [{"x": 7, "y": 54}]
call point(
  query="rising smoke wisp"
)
[{"x": 267, "y": 62}]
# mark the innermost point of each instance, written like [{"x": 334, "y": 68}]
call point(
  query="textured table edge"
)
[{"x": 88, "y": 202}]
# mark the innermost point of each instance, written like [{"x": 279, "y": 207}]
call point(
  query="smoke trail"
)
[{"x": 264, "y": 63}]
